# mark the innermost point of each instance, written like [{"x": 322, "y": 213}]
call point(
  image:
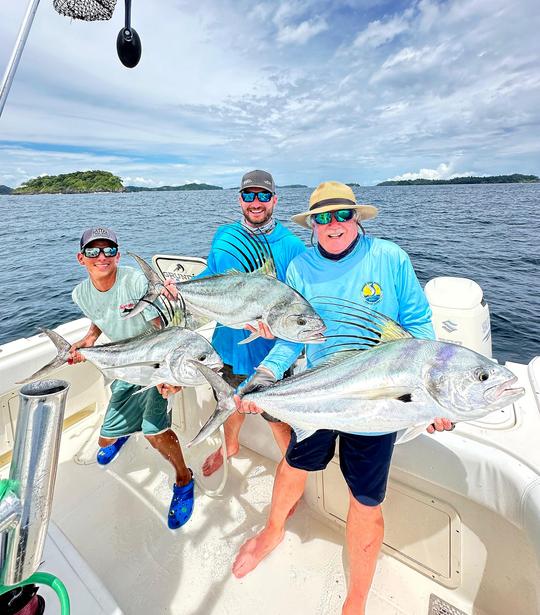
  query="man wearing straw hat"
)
[{"x": 351, "y": 266}]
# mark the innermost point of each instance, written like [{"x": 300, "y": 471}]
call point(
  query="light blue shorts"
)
[{"x": 127, "y": 413}]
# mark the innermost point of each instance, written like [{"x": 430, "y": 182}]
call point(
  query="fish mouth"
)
[
  {"x": 504, "y": 391},
  {"x": 317, "y": 337}
]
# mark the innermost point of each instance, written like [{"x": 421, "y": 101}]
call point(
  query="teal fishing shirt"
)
[
  {"x": 377, "y": 274},
  {"x": 222, "y": 258},
  {"x": 105, "y": 309}
]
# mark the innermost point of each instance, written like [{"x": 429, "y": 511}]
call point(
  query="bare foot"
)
[
  {"x": 255, "y": 550},
  {"x": 214, "y": 461}
]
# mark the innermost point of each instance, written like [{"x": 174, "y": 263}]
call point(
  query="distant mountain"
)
[
  {"x": 5, "y": 189},
  {"x": 169, "y": 188},
  {"x": 72, "y": 183},
  {"x": 293, "y": 186},
  {"x": 353, "y": 185},
  {"x": 516, "y": 178}
]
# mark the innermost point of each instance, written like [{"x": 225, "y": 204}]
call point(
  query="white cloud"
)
[
  {"x": 137, "y": 181},
  {"x": 380, "y": 32},
  {"x": 443, "y": 171},
  {"x": 301, "y": 33},
  {"x": 306, "y": 88}
]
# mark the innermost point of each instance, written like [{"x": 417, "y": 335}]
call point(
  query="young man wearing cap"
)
[
  {"x": 257, "y": 199},
  {"x": 346, "y": 264},
  {"x": 103, "y": 297}
]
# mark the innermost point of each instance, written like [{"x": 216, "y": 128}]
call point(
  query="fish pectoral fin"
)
[
  {"x": 302, "y": 434},
  {"x": 410, "y": 433},
  {"x": 147, "y": 388},
  {"x": 135, "y": 364},
  {"x": 400, "y": 393},
  {"x": 254, "y": 335}
]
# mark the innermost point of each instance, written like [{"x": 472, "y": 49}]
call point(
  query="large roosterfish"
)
[
  {"x": 237, "y": 298},
  {"x": 401, "y": 383}
]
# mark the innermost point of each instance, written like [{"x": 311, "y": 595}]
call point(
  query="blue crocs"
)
[
  {"x": 106, "y": 454},
  {"x": 181, "y": 504}
]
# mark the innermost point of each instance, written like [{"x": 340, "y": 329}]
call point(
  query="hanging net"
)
[{"x": 87, "y": 10}]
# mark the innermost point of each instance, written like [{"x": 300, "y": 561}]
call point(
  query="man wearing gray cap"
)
[
  {"x": 257, "y": 199},
  {"x": 108, "y": 291}
]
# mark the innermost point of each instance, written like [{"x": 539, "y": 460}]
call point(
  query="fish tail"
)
[
  {"x": 225, "y": 406},
  {"x": 153, "y": 292},
  {"x": 62, "y": 347}
]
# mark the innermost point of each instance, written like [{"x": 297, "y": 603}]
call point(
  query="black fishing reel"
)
[{"x": 128, "y": 43}]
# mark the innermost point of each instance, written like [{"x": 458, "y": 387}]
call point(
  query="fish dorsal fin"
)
[
  {"x": 267, "y": 268},
  {"x": 367, "y": 327},
  {"x": 391, "y": 331},
  {"x": 250, "y": 249}
]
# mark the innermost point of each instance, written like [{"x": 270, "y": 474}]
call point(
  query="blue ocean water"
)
[{"x": 485, "y": 232}]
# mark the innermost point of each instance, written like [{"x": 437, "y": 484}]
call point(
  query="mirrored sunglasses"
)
[
  {"x": 109, "y": 252},
  {"x": 341, "y": 215},
  {"x": 263, "y": 196}
]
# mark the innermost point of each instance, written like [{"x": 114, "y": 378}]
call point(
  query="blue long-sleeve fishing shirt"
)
[
  {"x": 222, "y": 258},
  {"x": 377, "y": 274}
]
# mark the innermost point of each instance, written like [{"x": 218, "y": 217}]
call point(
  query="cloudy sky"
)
[{"x": 353, "y": 90}]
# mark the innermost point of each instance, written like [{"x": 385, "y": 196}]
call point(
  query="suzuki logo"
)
[{"x": 449, "y": 326}]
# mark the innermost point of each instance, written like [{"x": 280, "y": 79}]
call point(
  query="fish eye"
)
[
  {"x": 202, "y": 358},
  {"x": 301, "y": 320},
  {"x": 482, "y": 375}
]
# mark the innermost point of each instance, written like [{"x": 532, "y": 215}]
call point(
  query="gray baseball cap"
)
[
  {"x": 258, "y": 179},
  {"x": 98, "y": 232}
]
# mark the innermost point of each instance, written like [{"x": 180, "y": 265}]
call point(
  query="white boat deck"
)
[
  {"x": 116, "y": 518},
  {"x": 462, "y": 515}
]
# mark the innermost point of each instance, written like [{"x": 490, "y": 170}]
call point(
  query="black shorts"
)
[
  {"x": 364, "y": 460},
  {"x": 235, "y": 380}
]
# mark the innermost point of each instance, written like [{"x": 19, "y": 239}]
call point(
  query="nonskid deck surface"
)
[{"x": 116, "y": 519}]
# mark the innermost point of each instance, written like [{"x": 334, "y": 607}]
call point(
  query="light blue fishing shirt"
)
[
  {"x": 377, "y": 275},
  {"x": 105, "y": 308},
  {"x": 222, "y": 258}
]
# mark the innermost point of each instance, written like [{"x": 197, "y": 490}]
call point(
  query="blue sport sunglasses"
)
[
  {"x": 341, "y": 215},
  {"x": 249, "y": 197}
]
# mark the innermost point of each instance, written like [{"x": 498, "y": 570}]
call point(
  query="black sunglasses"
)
[
  {"x": 109, "y": 252},
  {"x": 249, "y": 197}
]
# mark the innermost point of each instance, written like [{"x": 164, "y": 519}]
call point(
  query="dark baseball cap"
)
[
  {"x": 98, "y": 232},
  {"x": 258, "y": 179}
]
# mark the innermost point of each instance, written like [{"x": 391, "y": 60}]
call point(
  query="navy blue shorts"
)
[{"x": 364, "y": 460}]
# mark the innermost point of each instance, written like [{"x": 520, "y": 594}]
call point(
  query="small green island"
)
[
  {"x": 89, "y": 182},
  {"x": 515, "y": 178},
  {"x": 191, "y": 186}
]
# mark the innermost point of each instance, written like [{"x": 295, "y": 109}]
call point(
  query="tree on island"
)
[
  {"x": 515, "y": 178},
  {"x": 92, "y": 181},
  {"x": 72, "y": 183}
]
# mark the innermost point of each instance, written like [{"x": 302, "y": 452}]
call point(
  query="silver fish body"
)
[
  {"x": 165, "y": 355},
  {"x": 403, "y": 384},
  {"x": 235, "y": 299}
]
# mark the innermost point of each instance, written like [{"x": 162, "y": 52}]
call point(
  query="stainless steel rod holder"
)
[{"x": 33, "y": 473}]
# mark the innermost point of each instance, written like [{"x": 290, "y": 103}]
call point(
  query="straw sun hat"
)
[{"x": 331, "y": 196}]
